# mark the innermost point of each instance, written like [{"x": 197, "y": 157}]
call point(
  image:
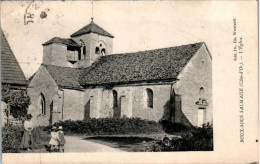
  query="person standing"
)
[
  {"x": 27, "y": 139},
  {"x": 61, "y": 139},
  {"x": 54, "y": 139}
]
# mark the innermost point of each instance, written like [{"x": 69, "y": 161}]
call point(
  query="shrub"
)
[
  {"x": 40, "y": 136},
  {"x": 17, "y": 99},
  {"x": 196, "y": 139},
  {"x": 12, "y": 137},
  {"x": 171, "y": 128},
  {"x": 107, "y": 126}
]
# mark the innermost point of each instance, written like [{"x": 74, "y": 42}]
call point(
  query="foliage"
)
[
  {"x": 39, "y": 135},
  {"x": 12, "y": 137},
  {"x": 17, "y": 99},
  {"x": 170, "y": 127},
  {"x": 107, "y": 126},
  {"x": 196, "y": 139}
]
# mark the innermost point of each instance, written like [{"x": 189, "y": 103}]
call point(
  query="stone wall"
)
[
  {"x": 42, "y": 83},
  {"x": 56, "y": 54},
  {"x": 90, "y": 40},
  {"x": 196, "y": 74},
  {"x": 132, "y": 101},
  {"x": 73, "y": 104},
  {"x": 161, "y": 95},
  {"x": 65, "y": 104}
]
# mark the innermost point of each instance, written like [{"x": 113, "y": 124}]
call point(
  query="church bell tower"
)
[{"x": 95, "y": 42}]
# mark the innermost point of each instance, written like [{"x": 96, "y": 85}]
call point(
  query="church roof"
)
[
  {"x": 152, "y": 65},
  {"x": 66, "y": 41},
  {"x": 11, "y": 71},
  {"x": 64, "y": 76},
  {"x": 94, "y": 28}
]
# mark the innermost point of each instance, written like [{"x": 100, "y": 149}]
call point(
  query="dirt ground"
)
[
  {"x": 130, "y": 143},
  {"x": 105, "y": 143}
]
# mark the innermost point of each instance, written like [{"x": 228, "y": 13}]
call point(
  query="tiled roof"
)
[
  {"x": 64, "y": 76},
  {"x": 10, "y": 68},
  {"x": 92, "y": 27},
  {"x": 159, "y": 64},
  {"x": 68, "y": 42}
]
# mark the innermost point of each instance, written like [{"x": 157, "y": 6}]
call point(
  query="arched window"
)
[
  {"x": 100, "y": 48},
  {"x": 149, "y": 98},
  {"x": 84, "y": 52},
  {"x": 51, "y": 112},
  {"x": 115, "y": 104},
  {"x": 83, "y": 49},
  {"x": 97, "y": 50},
  {"x": 42, "y": 104},
  {"x": 201, "y": 91}
]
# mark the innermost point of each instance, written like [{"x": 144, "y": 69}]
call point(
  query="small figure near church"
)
[
  {"x": 61, "y": 139},
  {"x": 54, "y": 139},
  {"x": 27, "y": 140}
]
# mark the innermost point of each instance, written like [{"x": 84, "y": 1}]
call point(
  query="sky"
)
[{"x": 136, "y": 25}]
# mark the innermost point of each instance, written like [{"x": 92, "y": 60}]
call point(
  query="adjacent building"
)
[{"x": 11, "y": 72}]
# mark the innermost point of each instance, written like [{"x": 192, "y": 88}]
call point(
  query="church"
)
[{"x": 81, "y": 78}]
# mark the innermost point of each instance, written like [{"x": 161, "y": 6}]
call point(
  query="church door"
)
[
  {"x": 201, "y": 112},
  {"x": 51, "y": 113},
  {"x": 123, "y": 108},
  {"x": 92, "y": 107},
  {"x": 116, "y": 109}
]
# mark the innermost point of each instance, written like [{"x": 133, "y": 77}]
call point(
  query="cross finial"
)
[{"x": 92, "y": 13}]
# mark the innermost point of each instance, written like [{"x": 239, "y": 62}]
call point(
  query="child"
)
[
  {"x": 54, "y": 139},
  {"x": 61, "y": 139}
]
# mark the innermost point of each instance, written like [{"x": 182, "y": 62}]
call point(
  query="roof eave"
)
[
  {"x": 75, "y": 35},
  {"x": 131, "y": 82},
  {"x": 46, "y": 44},
  {"x": 15, "y": 84},
  {"x": 71, "y": 87}
]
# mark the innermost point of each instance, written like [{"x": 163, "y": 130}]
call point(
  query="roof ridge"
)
[
  {"x": 56, "y": 37},
  {"x": 129, "y": 53},
  {"x": 50, "y": 65},
  {"x": 91, "y": 28},
  {"x": 66, "y": 41}
]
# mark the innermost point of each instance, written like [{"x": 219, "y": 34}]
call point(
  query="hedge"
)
[
  {"x": 108, "y": 126},
  {"x": 12, "y": 137}
]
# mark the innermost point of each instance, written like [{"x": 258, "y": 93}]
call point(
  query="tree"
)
[{"x": 18, "y": 100}]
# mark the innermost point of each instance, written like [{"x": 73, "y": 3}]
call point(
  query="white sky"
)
[{"x": 135, "y": 25}]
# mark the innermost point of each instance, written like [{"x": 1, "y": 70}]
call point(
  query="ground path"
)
[{"x": 78, "y": 144}]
